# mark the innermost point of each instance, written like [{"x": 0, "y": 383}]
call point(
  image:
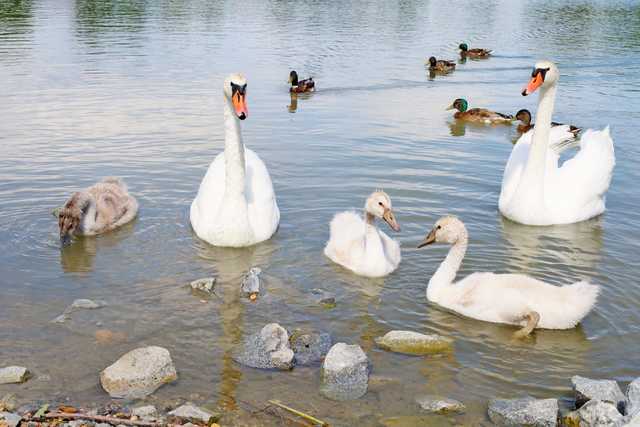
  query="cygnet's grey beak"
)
[
  {"x": 65, "y": 239},
  {"x": 431, "y": 237},
  {"x": 390, "y": 219}
]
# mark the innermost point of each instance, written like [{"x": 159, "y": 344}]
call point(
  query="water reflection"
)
[
  {"x": 293, "y": 105},
  {"x": 16, "y": 28}
]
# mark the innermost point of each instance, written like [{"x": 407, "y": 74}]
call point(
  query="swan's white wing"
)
[
  {"x": 264, "y": 215},
  {"x": 206, "y": 204}
]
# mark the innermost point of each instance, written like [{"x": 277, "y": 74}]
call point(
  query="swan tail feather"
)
[{"x": 579, "y": 298}]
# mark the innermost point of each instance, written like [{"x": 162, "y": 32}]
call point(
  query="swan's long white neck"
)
[
  {"x": 533, "y": 175},
  {"x": 371, "y": 234},
  {"x": 446, "y": 272},
  {"x": 233, "y": 156}
]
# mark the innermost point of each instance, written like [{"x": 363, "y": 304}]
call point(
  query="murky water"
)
[{"x": 133, "y": 89}]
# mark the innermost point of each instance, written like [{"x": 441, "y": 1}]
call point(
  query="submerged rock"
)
[
  {"x": 345, "y": 372},
  {"x": 310, "y": 348},
  {"x": 324, "y": 298},
  {"x": 526, "y": 411},
  {"x": 439, "y": 405},
  {"x": 606, "y": 390},
  {"x": 267, "y": 349},
  {"x": 86, "y": 304},
  {"x": 205, "y": 285},
  {"x": 13, "y": 374},
  {"x": 633, "y": 397},
  {"x": 250, "y": 285},
  {"x": 138, "y": 373},
  {"x": 11, "y": 420},
  {"x": 414, "y": 343},
  {"x": 190, "y": 412},
  {"x": 148, "y": 412},
  {"x": 596, "y": 413}
]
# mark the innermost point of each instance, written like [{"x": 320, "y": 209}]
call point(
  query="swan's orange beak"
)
[
  {"x": 535, "y": 82},
  {"x": 240, "y": 105}
]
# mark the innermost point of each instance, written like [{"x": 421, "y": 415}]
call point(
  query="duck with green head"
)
[
  {"x": 473, "y": 53},
  {"x": 525, "y": 126},
  {"x": 441, "y": 65},
  {"x": 301, "y": 86},
  {"x": 478, "y": 115}
]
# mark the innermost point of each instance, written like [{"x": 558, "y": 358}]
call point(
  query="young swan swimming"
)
[
  {"x": 357, "y": 244},
  {"x": 514, "y": 299},
  {"x": 102, "y": 207}
]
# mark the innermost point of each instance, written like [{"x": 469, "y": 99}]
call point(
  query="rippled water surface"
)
[{"x": 96, "y": 88}]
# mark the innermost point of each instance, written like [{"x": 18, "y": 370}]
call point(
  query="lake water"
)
[{"x": 133, "y": 89}]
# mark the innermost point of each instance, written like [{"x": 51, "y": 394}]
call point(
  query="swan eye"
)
[
  {"x": 439, "y": 227},
  {"x": 380, "y": 203}
]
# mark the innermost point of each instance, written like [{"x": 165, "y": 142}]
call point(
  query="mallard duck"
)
[
  {"x": 524, "y": 116},
  {"x": 441, "y": 65},
  {"x": 478, "y": 115},
  {"x": 357, "y": 244},
  {"x": 301, "y": 86},
  {"x": 102, "y": 207},
  {"x": 513, "y": 299},
  {"x": 475, "y": 52}
]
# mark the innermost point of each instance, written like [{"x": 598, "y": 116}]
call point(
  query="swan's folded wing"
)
[
  {"x": 345, "y": 228},
  {"x": 264, "y": 214}
]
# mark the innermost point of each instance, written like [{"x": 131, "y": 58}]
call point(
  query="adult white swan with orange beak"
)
[
  {"x": 536, "y": 189},
  {"x": 236, "y": 205}
]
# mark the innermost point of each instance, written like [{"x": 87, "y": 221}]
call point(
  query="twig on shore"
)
[
  {"x": 299, "y": 413},
  {"x": 102, "y": 418}
]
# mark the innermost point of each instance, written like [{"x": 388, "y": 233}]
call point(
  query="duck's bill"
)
[
  {"x": 240, "y": 105},
  {"x": 390, "y": 219},
  {"x": 451, "y": 107},
  {"x": 535, "y": 82},
  {"x": 65, "y": 239},
  {"x": 431, "y": 238}
]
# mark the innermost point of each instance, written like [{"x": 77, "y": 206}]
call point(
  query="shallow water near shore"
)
[{"x": 94, "y": 88}]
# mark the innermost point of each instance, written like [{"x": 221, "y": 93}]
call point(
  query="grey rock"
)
[
  {"x": 324, "y": 298},
  {"x": 103, "y": 425},
  {"x": 86, "y": 304},
  {"x": 586, "y": 389},
  {"x": 12, "y": 420},
  {"x": 439, "y": 405},
  {"x": 310, "y": 347},
  {"x": 147, "y": 412},
  {"x": 251, "y": 282},
  {"x": 62, "y": 318},
  {"x": 526, "y": 411},
  {"x": 8, "y": 402},
  {"x": 633, "y": 397},
  {"x": 13, "y": 374},
  {"x": 345, "y": 372},
  {"x": 596, "y": 413},
  {"x": 408, "y": 342},
  {"x": 138, "y": 373},
  {"x": 190, "y": 412},
  {"x": 267, "y": 349},
  {"x": 205, "y": 285}
]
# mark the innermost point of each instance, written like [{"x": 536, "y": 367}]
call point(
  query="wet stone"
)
[
  {"x": 205, "y": 285},
  {"x": 267, "y": 349},
  {"x": 250, "y": 285},
  {"x": 527, "y": 411},
  {"x": 190, "y": 412},
  {"x": 310, "y": 348},
  {"x": 414, "y": 343},
  {"x": 586, "y": 389},
  {"x": 13, "y": 374},
  {"x": 597, "y": 413},
  {"x": 10, "y": 419},
  {"x": 86, "y": 304},
  {"x": 440, "y": 405},
  {"x": 147, "y": 412},
  {"x": 633, "y": 396},
  {"x": 345, "y": 372}
]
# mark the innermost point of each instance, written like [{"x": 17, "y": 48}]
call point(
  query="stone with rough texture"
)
[
  {"x": 251, "y": 282},
  {"x": 408, "y": 342},
  {"x": 138, "y": 373},
  {"x": 586, "y": 389},
  {"x": 148, "y": 412},
  {"x": 12, "y": 420},
  {"x": 526, "y": 411},
  {"x": 310, "y": 348},
  {"x": 345, "y": 372},
  {"x": 13, "y": 374},
  {"x": 596, "y": 413},
  {"x": 633, "y": 397},
  {"x": 205, "y": 285},
  {"x": 439, "y": 405},
  {"x": 267, "y": 349},
  {"x": 190, "y": 412}
]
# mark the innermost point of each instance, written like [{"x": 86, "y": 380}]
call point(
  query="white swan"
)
[
  {"x": 100, "y": 208},
  {"x": 357, "y": 244},
  {"x": 236, "y": 205},
  {"x": 535, "y": 189},
  {"x": 514, "y": 299}
]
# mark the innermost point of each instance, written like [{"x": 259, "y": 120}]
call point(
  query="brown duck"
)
[
  {"x": 525, "y": 126},
  {"x": 441, "y": 65},
  {"x": 473, "y": 53},
  {"x": 478, "y": 115},
  {"x": 301, "y": 86}
]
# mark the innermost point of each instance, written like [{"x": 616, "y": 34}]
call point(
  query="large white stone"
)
[
  {"x": 13, "y": 374},
  {"x": 633, "y": 397},
  {"x": 190, "y": 412},
  {"x": 409, "y": 342},
  {"x": 345, "y": 372},
  {"x": 526, "y": 411},
  {"x": 138, "y": 373},
  {"x": 596, "y": 413}
]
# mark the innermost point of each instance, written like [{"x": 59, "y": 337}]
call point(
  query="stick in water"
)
[{"x": 298, "y": 413}]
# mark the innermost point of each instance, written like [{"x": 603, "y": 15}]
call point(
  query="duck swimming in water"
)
[
  {"x": 478, "y": 115},
  {"x": 477, "y": 52},
  {"x": 441, "y": 65},
  {"x": 524, "y": 116},
  {"x": 301, "y": 86}
]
